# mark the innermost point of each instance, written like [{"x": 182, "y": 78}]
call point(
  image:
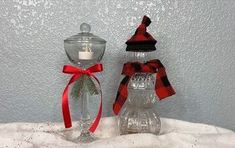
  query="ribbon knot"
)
[
  {"x": 76, "y": 70},
  {"x": 77, "y": 73},
  {"x": 163, "y": 87}
]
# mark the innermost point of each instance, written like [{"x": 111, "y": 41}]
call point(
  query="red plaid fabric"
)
[
  {"x": 142, "y": 41},
  {"x": 163, "y": 87}
]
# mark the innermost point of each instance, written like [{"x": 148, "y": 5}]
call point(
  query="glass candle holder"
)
[{"x": 84, "y": 50}]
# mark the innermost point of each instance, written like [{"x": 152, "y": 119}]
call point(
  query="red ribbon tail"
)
[
  {"x": 98, "y": 117},
  {"x": 65, "y": 109},
  {"x": 97, "y": 120}
]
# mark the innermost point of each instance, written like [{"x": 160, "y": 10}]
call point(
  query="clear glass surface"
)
[
  {"x": 138, "y": 115},
  {"x": 85, "y": 50},
  {"x": 139, "y": 56},
  {"x": 85, "y": 120}
]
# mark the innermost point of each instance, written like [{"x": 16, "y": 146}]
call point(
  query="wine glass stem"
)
[{"x": 85, "y": 118}]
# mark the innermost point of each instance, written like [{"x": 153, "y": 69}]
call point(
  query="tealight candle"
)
[{"x": 85, "y": 55}]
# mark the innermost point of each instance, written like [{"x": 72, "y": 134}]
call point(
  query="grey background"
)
[{"x": 196, "y": 42}]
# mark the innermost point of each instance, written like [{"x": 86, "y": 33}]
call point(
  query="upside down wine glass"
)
[{"x": 85, "y": 50}]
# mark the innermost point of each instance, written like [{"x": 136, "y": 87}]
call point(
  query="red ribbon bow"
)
[
  {"x": 77, "y": 73},
  {"x": 163, "y": 87}
]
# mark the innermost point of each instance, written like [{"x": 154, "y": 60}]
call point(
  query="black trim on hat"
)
[{"x": 143, "y": 46}]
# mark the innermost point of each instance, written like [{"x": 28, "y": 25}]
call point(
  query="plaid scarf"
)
[{"x": 163, "y": 87}]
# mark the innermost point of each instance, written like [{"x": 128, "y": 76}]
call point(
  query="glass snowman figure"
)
[
  {"x": 84, "y": 50},
  {"x": 144, "y": 79}
]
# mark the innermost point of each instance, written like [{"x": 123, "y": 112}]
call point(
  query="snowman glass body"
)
[
  {"x": 138, "y": 115},
  {"x": 84, "y": 50}
]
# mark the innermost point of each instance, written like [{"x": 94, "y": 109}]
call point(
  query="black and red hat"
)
[{"x": 141, "y": 41}]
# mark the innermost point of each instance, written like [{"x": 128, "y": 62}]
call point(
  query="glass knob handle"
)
[{"x": 85, "y": 28}]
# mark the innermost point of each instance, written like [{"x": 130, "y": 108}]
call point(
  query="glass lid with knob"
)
[{"x": 84, "y": 49}]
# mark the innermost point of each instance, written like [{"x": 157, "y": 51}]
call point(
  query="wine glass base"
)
[{"x": 85, "y": 138}]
